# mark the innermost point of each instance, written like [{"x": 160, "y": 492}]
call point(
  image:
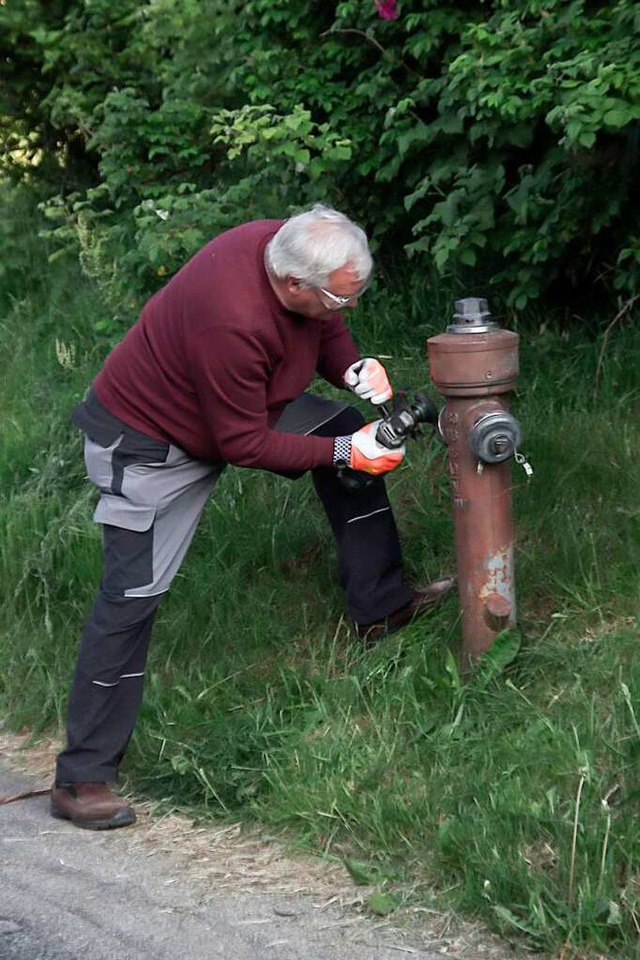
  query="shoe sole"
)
[{"x": 123, "y": 819}]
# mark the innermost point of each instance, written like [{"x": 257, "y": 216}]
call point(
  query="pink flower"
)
[{"x": 387, "y": 9}]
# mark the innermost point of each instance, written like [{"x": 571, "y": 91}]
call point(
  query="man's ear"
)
[
  {"x": 295, "y": 291},
  {"x": 294, "y": 286}
]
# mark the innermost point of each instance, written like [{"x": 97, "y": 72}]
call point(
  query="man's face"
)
[{"x": 320, "y": 303}]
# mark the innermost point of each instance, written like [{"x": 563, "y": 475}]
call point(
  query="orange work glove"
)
[{"x": 361, "y": 451}]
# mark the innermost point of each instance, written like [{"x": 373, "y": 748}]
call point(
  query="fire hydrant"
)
[{"x": 474, "y": 365}]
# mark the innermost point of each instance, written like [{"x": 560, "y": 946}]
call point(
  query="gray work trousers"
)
[{"x": 151, "y": 497}]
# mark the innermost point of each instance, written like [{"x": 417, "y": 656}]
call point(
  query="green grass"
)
[{"x": 514, "y": 796}]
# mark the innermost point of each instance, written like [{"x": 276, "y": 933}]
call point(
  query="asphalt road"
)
[{"x": 70, "y": 894}]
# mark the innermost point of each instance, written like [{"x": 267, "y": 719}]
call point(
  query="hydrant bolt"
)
[{"x": 472, "y": 316}]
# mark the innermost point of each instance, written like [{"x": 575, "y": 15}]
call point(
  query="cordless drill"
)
[{"x": 401, "y": 419}]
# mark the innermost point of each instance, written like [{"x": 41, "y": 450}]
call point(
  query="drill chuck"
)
[{"x": 404, "y": 418}]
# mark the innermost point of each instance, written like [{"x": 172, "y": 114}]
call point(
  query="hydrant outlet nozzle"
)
[{"x": 495, "y": 437}]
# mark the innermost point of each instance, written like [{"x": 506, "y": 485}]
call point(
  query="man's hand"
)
[
  {"x": 368, "y": 379},
  {"x": 366, "y": 454}
]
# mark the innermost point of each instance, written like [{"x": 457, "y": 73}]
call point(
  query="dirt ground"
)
[{"x": 240, "y": 861}]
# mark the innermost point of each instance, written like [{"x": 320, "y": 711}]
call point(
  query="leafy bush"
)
[{"x": 495, "y": 139}]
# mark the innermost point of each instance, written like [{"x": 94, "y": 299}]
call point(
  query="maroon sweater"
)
[{"x": 215, "y": 357}]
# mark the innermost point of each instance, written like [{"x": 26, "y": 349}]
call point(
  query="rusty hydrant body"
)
[{"x": 474, "y": 365}]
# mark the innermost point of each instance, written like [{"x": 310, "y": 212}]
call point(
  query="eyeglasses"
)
[{"x": 338, "y": 301}]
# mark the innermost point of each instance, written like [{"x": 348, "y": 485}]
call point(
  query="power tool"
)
[{"x": 401, "y": 419}]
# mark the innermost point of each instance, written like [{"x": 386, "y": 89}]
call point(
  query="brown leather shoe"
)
[
  {"x": 92, "y": 806},
  {"x": 423, "y": 601}
]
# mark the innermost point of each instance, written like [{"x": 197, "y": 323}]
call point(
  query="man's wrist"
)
[{"x": 341, "y": 451}]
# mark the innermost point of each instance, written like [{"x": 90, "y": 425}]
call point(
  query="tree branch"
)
[
  {"x": 383, "y": 50},
  {"x": 624, "y": 309}
]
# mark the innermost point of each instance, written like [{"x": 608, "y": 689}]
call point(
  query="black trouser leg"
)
[
  {"x": 107, "y": 688},
  {"x": 152, "y": 494},
  {"x": 369, "y": 553}
]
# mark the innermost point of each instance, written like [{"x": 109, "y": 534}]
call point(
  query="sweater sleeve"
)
[
  {"x": 337, "y": 350},
  {"x": 231, "y": 386}
]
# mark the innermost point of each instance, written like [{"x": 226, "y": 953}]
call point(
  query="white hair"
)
[{"x": 311, "y": 245}]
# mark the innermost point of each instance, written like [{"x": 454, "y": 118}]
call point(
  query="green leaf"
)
[
  {"x": 451, "y": 668},
  {"x": 361, "y": 873},
  {"x": 587, "y": 138},
  {"x": 608, "y": 912},
  {"x": 440, "y": 258},
  {"x": 618, "y": 117},
  {"x": 510, "y": 920},
  {"x": 382, "y": 904},
  {"x": 339, "y": 153},
  {"x": 503, "y": 651}
]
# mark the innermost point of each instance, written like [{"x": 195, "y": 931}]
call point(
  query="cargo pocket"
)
[
  {"x": 119, "y": 512},
  {"x": 128, "y": 537}
]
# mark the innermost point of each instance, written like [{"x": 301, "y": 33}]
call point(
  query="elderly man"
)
[{"x": 214, "y": 372}]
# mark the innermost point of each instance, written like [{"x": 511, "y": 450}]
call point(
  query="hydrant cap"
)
[{"x": 472, "y": 316}]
